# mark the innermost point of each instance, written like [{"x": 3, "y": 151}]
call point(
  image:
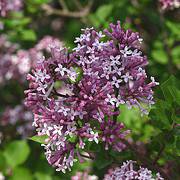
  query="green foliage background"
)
[{"x": 24, "y": 159}]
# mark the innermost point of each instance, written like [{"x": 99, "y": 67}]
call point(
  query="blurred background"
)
[{"x": 28, "y": 27}]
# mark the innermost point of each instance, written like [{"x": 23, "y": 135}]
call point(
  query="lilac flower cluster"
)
[
  {"x": 15, "y": 64},
  {"x": 75, "y": 96},
  {"x": 169, "y": 4},
  {"x": 117, "y": 62},
  {"x": 128, "y": 171},
  {"x": 20, "y": 118},
  {"x": 10, "y": 5}
]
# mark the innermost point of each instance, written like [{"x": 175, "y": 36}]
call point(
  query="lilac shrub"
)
[
  {"x": 128, "y": 171},
  {"x": 75, "y": 96}
]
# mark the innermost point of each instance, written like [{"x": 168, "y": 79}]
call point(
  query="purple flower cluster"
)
[
  {"x": 169, "y": 4},
  {"x": 10, "y": 5},
  {"x": 18, "y": 117},
  {"x": 15, "y": 64},
  {"x": 75, "y": 96},
  {"x": 128, "y": 171},
  {"x": 118, "y": 62}
]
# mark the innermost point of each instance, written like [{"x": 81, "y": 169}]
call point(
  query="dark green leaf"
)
[
  {"x": 102, "y": 160},
  {"x": 170, "y": 91}
]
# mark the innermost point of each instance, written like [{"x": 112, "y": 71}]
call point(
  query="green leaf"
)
[
  {"x": 21, "y": 173},
  {"x": 178, "y": 143},
  {"x": 28, "y": 35},
  {"x": 103, "y": 12},
  {"x": 120, "y": 156},
  {"x": 18, "y": 23},
  {"x": 102, "y": 160},
  {"x": 160, "y": 56},
  {"x": 173, "y": 27},
  {"x": 156, "y": 143},
  {"x": 72, "y": 139},
  {"x": 58, "y": 84},
  {"x": 169, "y": 137},
  {"x": 39, "y": 1},
  {"x": 176, "y": 131},
  {"x": 170, "y": 90},
  {"x": 176, "y": 54},
  {"x": 16, "y": 153},
  {"x": 39, "y": 139},
  {"x": 159, "y": 116},
  {"x": 92, "y": 146},
  {"x": 43, "y": 166},
  {"x": 158, "y": 53},
  {"x": 42, "y": 176},
  {"x": 130, "y": 117},
  {"x": 175, "y": 118},
  {"x": 95, "y": 22},
  {"x": 3, "y": 164}
]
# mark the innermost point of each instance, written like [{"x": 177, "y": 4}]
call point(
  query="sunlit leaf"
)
[
  {"x": 21, "y": 173},
  {"x": 39, "y": 139},
  {"x": 16, "y": 152}
]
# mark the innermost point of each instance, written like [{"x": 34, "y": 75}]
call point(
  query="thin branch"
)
[
  {"x": 116, "y": 108},
  {"x": 76, "y": 14},
  {"x": 85, "y": 156},
  {"x": 58, "y": 94}
]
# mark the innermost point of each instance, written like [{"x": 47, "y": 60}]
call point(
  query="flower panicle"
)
[{"x": 75, "y": 96}]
